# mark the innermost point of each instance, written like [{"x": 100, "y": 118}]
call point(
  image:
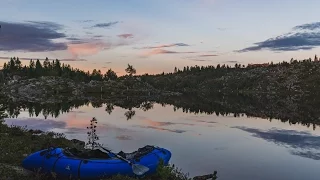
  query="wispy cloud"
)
[
  {"x": 222, "y": 29},
  {"x": 232, "y": 61},
  {"x": 41, "y": 59},
  {"x": 293, "y": 41},
  {"x": 31, "y": 36},
  {"x": 74, "y": 39},
  {"x": 85, "y": 21},
  {"x": 208, "y": 55},
  {"x": 125, "y": 36},
  {"x": 86, "y": 49},
  {"x": 89, "y": 47},
  {"x": 165, "y": 46},
  {"x": 105, "y": 25},
  {"x": 98, "y": 36},
  {"x": 162, "y": 51},
  {"x": 310, "y": 26},
  {"x": 199, "y": 60},
  {"x": 72, "y": 59}
]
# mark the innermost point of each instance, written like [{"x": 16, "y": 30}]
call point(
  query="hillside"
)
[{"x": 294, "y": 77}]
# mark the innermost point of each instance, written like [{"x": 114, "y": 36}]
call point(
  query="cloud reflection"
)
[
  {"x": 302, "y": 144},
  {"x": 163, "y": 129},
  {"x": 157, "y": 123},
  {"x": 124, "y": 137},
  {"x": 36, "y": 124}
]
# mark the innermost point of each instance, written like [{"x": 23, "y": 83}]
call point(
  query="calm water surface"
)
[{"x": 237, "y": 147}]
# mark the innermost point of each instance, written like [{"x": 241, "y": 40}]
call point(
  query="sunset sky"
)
[{"x": 157, "y": 35}]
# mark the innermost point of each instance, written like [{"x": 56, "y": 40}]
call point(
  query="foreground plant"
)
[{"x": 92, "y": 135}]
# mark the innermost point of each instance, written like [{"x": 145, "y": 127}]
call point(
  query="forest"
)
[{"x": 294, "y": 77}]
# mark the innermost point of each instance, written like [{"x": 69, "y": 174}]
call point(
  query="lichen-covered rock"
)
[{"x": 49, "y": 89}]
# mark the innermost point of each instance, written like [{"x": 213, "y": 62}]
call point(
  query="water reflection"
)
[
  {"x": 163, "y": 129},
  {"x": 303, "y": 110},
  {"x": 124, "y": 137},
  {"x": 40, "y": 124},
  {"x": 299, "y": 143},
  {"x": 129, "y": 114},
  {"x": 200, "y": 141}
]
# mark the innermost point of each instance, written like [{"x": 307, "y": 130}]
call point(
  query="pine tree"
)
[
  {"x": 130, "y": 70},
  {"x": 57, "y": 68},
  {"x": 175, "y": 70},
  {"x": 110, "y": 75},
  {"x": 38, "y": 70}
]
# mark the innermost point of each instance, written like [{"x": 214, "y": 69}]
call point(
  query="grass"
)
[{"x": 17, "y": 142}]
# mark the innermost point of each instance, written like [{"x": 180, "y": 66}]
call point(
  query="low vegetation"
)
[
  {"x": 294, "y": 77},
  {"x": 18, "y": 142}
]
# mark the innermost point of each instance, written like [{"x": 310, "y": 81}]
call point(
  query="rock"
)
[
  {"x": 35, "y": 131},
  {"x": 206, "y": 177},
  {"x": 46, "y": 89},
  {"x": 18, "y": 169},
  {"x": 78, "y": 143},
  {"x": 16, "y": 77}
]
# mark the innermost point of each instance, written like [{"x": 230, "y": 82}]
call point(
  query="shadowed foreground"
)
[{"x": 18, "y": 142}]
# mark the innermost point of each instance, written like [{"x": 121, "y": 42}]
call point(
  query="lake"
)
[{"x": 238, "y": 147}]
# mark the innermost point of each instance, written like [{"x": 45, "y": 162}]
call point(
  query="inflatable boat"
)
[{"x": 94, "y": 164}]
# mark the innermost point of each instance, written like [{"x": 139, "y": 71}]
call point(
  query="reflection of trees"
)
[
  {"x": 109, "y": 108},
  {"x": 35, "y": 109},
  {"x": 292, "y": 109},
  {"x": 129, "y": 114},
  {"x": 287, "y": 108},
  {"x": 96, "y": 104},
  {"x": 3, "y": 114},
  {"x": 145, "y": 106}
]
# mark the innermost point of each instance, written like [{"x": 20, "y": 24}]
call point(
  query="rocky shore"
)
[{"x": 48, "y": 89}]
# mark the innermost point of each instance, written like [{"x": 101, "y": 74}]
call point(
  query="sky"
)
[{"x": 157, "y": 35}]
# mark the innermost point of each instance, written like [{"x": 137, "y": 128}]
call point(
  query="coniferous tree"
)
[
  {"x": 175, "y": 70},
  {"x": 38, "y": 69},
  {"x": 31, "y": 69},
  {"x": 110, "y": 75},
  {"x": 130, "y": 70}
]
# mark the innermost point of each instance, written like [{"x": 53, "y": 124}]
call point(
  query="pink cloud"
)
[
  {"x": 87, "y": 49},
  {"x": 166, "y": 45}
]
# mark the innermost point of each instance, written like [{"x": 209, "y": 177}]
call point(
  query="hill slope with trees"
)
[{"x": 294, "y": 77}]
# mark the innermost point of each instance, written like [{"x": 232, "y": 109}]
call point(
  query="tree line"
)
[
  {"x": 295, "y": 76},
  {"x": 52, "y": 68}
]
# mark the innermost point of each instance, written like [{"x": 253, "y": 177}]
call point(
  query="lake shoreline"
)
[{"x": 18, "y": 142}]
